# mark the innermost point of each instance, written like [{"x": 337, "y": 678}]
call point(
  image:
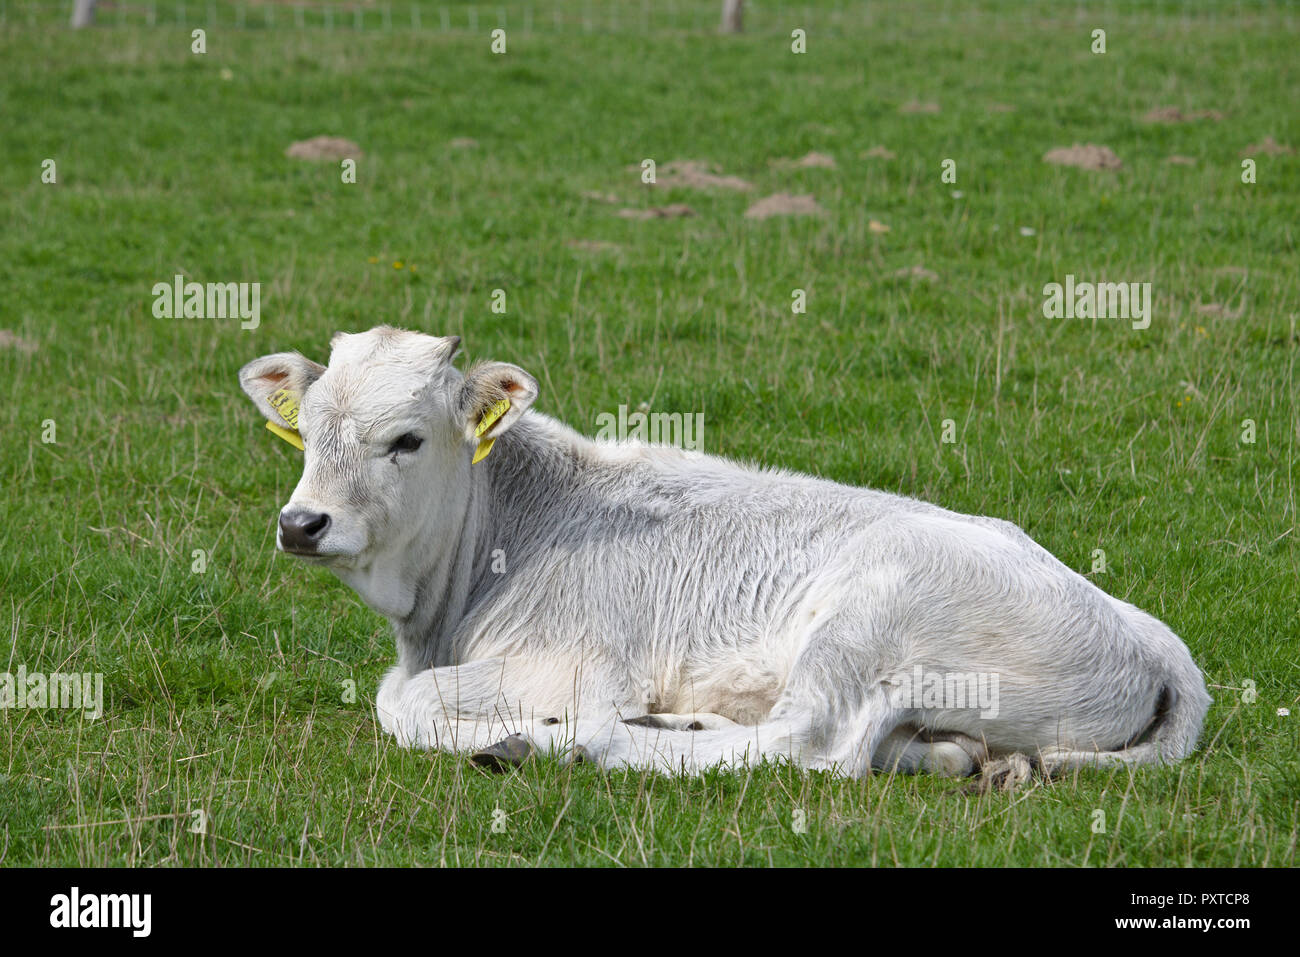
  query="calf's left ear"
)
[{"x": 487, "y": 386}]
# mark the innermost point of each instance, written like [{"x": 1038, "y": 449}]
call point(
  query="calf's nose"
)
[{"x": 301, "y": 530}]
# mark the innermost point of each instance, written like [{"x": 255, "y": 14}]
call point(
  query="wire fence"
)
[{"x": 634, "y": 16}]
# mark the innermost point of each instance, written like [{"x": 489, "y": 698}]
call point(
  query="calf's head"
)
[{"x": 388, "y": 430}]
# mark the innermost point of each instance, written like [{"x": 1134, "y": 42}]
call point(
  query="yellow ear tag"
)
[
  {"x": 286, "y": 403},
  {"x": 489, "y": 419}
]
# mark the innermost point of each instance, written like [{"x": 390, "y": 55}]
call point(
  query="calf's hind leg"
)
[
  {"x": 833, "y": 714},
  {"x": 913, "y": 750},
  {"x": 820, "y": 721}
]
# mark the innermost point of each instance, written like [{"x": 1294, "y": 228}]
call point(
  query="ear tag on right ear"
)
[
  {"x": 489, "y": 419},
  {"x": 286, "y": 403}
]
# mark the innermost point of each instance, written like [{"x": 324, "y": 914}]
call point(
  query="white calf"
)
[{"x": 673, "y": 610}]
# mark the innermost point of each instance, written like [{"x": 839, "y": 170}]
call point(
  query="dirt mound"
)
[
  {"x": 693, "y": 174},
  {"x": 1172, "y": 114},
  {"x": 1178, "y": 160},
  {"x": 1269, "y": 146},
  {"x": 593, "y": 245},
  {"x": 323, "y": 148},
  {"x": 915, "y": 106},
  {"x": 1219, "y": 309},
  {"x": 675, "y": 211},
  {"x": 464, "y": 143},
  {"x": 879, "y": 152},
  {"x": 917, "y": 272},
  {"x": 784, "y": 204},
  {"x": 11, "y": 340},
  {"x": 810, "y": 161},
  {"x": 1085, "y": 156}
]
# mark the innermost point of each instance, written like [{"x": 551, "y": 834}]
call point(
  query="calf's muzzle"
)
[{"x": 301, "y": 530}]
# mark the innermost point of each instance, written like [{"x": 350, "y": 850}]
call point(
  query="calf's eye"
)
[{"x": 405, "y": 443}]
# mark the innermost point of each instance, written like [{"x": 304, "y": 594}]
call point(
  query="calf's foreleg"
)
[{"x": 470, "y": 706}]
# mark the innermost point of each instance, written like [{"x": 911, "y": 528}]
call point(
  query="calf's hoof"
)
[
  {"x": 648, "y": 721},
  {"x": 1006, "y": 773},
  {"x": 508, "y": 753}
]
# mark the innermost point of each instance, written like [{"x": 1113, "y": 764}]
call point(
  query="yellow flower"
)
[
  {"x": 373, "y": 259},
  {"x": 397, "y": 265}
]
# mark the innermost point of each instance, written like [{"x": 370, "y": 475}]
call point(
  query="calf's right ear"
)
[{"x": 288, "y": 371}]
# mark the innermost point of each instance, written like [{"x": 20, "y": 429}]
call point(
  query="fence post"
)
[
  {"x": 83, "y": 13},
  {"x": 733, "y": 12}
]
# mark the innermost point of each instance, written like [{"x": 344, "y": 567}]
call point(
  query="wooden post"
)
[
  {"x": 732, "y": 16},
  {"x": 83, "y": 13}
]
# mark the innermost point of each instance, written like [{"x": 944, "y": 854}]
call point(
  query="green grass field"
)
[{"x": 225, "y": 689}]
